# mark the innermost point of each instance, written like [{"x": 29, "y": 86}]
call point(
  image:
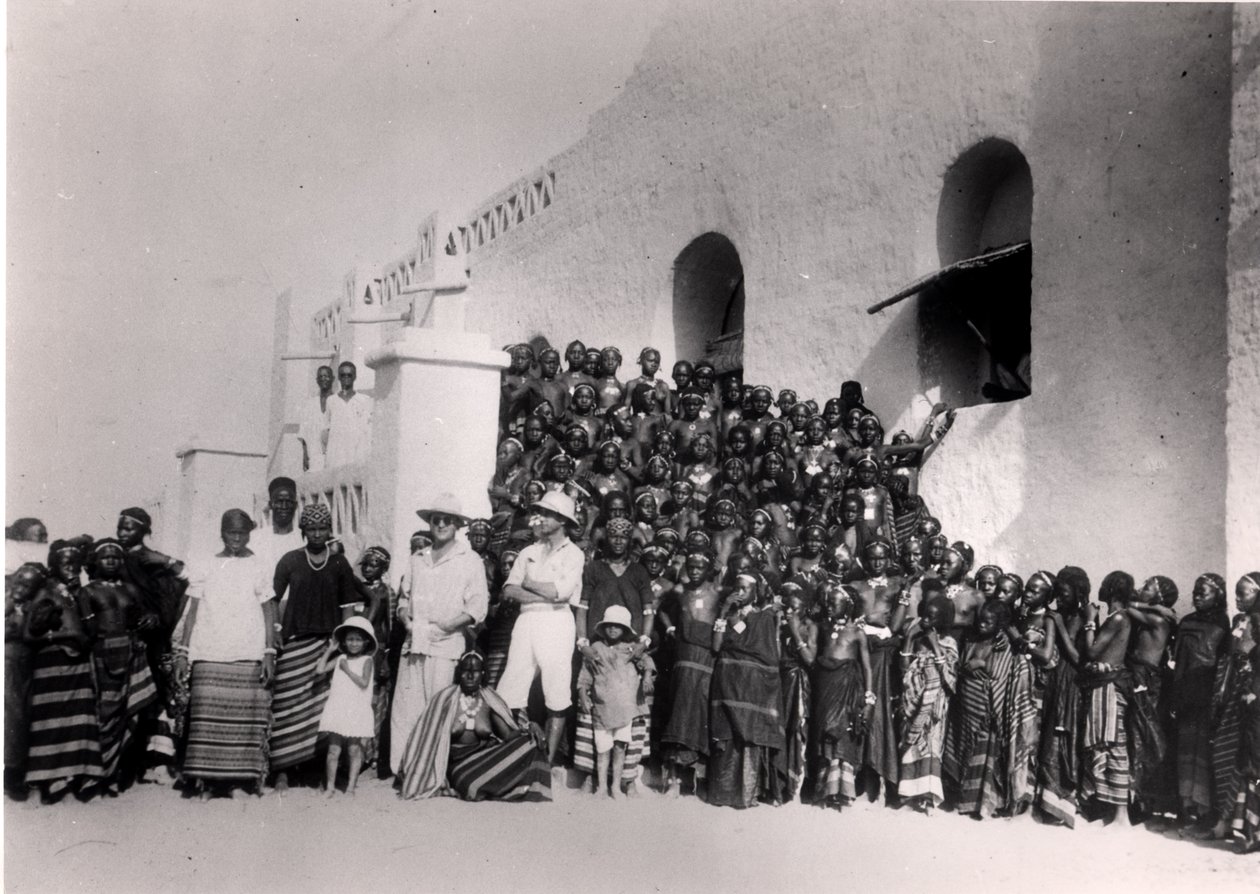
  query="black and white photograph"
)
[{"x": 672, "y": 446}]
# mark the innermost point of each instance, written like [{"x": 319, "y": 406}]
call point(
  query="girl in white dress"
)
[{"x": 347, "y": 720}]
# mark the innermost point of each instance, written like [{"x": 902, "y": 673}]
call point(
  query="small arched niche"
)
[
  {"x": 708, "y": 303},
  {"x": 975, "y": 319}
]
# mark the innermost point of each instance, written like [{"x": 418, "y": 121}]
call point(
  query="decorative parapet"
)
[
  {"x": 515, "y": 205},
  {"x": 326, "y": 329}
]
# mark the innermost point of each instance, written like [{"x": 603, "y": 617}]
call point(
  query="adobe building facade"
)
[{"x": 770, "y": 171}]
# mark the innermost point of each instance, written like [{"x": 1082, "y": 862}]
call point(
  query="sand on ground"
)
[{"x": 152, "y": 839}]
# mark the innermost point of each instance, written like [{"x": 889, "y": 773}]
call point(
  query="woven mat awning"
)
[{"x": 987, "y": 259}]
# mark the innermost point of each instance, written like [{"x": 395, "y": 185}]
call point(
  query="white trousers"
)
[
  {"x": 420, "y": 677},
  {"x": 541, "y": 641}
]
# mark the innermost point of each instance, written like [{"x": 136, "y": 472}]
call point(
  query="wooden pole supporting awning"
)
[{"x": 977, "y": 263}]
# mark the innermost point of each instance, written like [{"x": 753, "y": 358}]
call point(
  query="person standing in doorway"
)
[
  {"x": 349, "y": 420},
  {"x": 313, "y": 427}
]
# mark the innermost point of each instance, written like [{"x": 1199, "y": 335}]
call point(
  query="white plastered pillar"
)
[{"x": 434, "y": 428}]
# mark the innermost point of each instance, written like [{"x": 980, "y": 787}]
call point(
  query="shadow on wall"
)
[
  {"x": 975, "y": 325},
  {"x": 886, "y": 362}
]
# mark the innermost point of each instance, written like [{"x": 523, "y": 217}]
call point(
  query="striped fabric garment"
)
[
  {"x": 1227, "y": 774},
  {"x": 1105, "y": 774},
  {"x": 1246, "y": 824},
  {"x": 515, "y": 770},
  {"x": 430, "y": 765},
  {"x": 65, "y": 745},
  {"x": 1022, "y": 729},
  {"x": 795, "y": 710},
  {"x": 584, "y": 745},
  {"x": 125, "y": 687},
  {"x": 926, "y": 684},
  {"x": 298, "y": 700},
  {"x": 995, "y": 703},
  {"x": 1058, "y": 766},
  {"x": 229, "y": 715},
  {"x": 839, "y": 781}
]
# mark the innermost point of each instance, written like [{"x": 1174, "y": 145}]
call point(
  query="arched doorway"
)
[
  {"x": 975, "y": 325},
  {"x": 708, "y": 306}
]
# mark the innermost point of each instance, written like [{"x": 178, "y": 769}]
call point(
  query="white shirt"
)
[
  {"x": 561, "y": 565},
  {"x": 440, "y": 589},
  {"x": 230, "y": 592},
  {"x": 349, "y": 429},
  {"x": 270, "y": 547},
  {"x": 313, "y": 429}
]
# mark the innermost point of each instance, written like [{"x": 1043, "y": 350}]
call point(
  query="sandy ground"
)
[{"x": 151, "y": 839}]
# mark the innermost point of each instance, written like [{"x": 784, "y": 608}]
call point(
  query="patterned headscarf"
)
[
  {"x": 315, "y": 515},
  {"x": 621, "y": 526}
]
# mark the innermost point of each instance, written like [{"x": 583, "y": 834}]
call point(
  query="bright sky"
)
[{"x": 173, "y": 167}]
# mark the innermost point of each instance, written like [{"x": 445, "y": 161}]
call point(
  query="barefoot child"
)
[
  {"x": 347, "y": 717},
  {"x": 608, "y": 687}
]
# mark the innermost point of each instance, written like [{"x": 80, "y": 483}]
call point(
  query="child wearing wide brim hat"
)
[
  {"x": 610, "y": 692},
  {"x": 359, "y": 623},
  {"x": 347, "y": 722},
  {"x": 616, "y": 616}
]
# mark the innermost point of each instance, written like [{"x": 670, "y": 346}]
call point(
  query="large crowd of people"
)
[{"x": 700, "y": 586}]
